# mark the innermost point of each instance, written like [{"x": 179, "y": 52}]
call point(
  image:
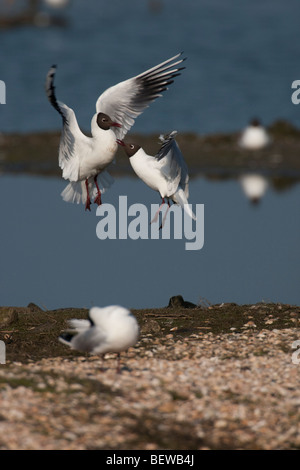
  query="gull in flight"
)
[
  {"x": 83, "y": 159},
  {"x": 165, "y": 172}
]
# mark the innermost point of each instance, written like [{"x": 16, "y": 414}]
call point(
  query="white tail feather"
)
[
  {"x": 75, "y": 191},
  {"x": 181, "y": 199}
]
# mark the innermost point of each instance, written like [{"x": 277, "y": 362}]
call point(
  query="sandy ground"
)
[{"x": 209, "y": 377}]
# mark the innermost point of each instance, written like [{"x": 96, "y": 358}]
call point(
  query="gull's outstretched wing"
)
[
  {"x": 125, "y": 101},
  {"x": 73, "y": 143}
]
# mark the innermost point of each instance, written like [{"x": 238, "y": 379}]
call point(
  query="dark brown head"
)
[
  {"x": 255, "y": 122},
  {"x": 129, "y": 148},
  {"x": 105, "y": 123}
]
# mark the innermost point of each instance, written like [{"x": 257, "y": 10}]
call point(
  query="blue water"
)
[
  {"x": 50, "y": 253},
  {"x": 242, "y": 60}
]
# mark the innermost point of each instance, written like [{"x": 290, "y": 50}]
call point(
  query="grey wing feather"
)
[
  {"x": 125, "y": 101},
  {"x": 88, "y": 340},
  {"x": 184, "y": 180},
  {"x": 167, "y": 144},
  {"x": 174, "y": 167}
]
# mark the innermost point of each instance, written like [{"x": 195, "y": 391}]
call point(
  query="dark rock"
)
[
  {"x": 34, "y": 308},
  {"x": 178, "y": 301}
]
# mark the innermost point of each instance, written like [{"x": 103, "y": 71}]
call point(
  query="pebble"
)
[{"x": 206, "y": 391}]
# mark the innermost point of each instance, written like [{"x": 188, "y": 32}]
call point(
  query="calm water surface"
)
[
  {"x": 50, "y": 253},
  {"x": 242, "y": 60}
]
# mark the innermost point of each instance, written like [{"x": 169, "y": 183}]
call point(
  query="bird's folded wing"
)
[
  {"x": 125, "y": 101},
  {"x": 168, "y": 164},
  {"x": 173, "y": 164},
  {"x": 89, "y": 340},
  {"x": 73, "y": 143},
  {"x": 184, "y": 180},
  {"x": 79, "y": 324},
  {"x": 167, "y": 144}
]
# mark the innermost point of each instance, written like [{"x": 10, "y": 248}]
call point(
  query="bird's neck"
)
[{"x": 99, "y": 133}]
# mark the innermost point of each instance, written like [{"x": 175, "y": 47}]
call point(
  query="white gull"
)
[
  {"x": 254, "y": 136},
  {"x": 108, "y": 329},
  {"x": 165, "y": 172}
]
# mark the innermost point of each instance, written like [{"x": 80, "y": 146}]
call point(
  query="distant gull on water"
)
[{"x": 255, "y": 136}]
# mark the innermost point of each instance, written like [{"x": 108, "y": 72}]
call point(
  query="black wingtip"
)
[
  {"x": 50, "y": 91},
  {"x": 66, "y": 337}
]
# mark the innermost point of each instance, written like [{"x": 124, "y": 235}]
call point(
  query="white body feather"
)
[
  {"x": 165, "y": 172},
  {"x": 254, "y": 138},
  {"x": 110, "y": 329}
]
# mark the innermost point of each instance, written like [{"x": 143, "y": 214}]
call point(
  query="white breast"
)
[
  {"x": 101, "y": 153},
  {"x": 147, "y": 168}
]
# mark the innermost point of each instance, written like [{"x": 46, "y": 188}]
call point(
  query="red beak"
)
[
  {"x": 120, "y": 142},
  {"x": 115, "y": 124}
]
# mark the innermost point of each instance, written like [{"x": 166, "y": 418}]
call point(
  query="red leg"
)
[
  {"x": 156, "y": 215},
  {"x": 98, "y": 198},
  {"x": 88, "y": 200}
]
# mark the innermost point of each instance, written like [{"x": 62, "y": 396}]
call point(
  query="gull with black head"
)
[
  {"x": 254, "y": 136},
  {"x": 84, "y": 159},
  {"x": 165, "y": 172}
]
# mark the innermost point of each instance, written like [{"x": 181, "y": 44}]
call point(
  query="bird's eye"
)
[
  {"x": 132, "y": 146},
  {"x": 103, "y": 119}
]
